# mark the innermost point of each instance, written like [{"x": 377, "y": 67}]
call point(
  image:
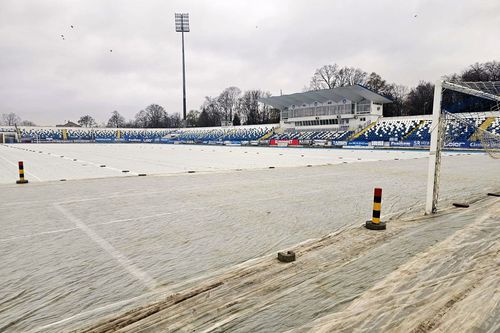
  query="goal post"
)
[
  {"x": 435, "y": 152},
  {"x": 491, "y": 142}
]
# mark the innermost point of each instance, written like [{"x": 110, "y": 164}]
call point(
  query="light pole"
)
[{"x": 182, "y": 26}]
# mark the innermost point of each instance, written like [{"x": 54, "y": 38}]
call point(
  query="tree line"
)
[
  {"x": 12, "y": 119},
  {"x": 234, "y": 105},
  {"x": 243, "y": 107},
  {"x": 406, "y": 101},
  {"x": 153, "y": 116},
  {"x": 231, "y": 105}
]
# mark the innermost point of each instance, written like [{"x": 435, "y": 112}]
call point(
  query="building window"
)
[{"x": 364, "y": 107}]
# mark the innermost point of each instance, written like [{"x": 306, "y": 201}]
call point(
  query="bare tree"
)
[
  {"x": 204, "y": 119},
  {"x": 154, "y": 116},
  {"x": 377, "y": 84},
  {"x": 250, "y": 109},
  {"x": 325, "y": 77},
  {"x": 488, "y": 71},
  {"x": 87, "y": 121},
  {"x": 420, "y": 99},
  {"x": 211, "y": 114},
  {"x": 266, "y": 113},
  {"x": 399, "y": 93},
  {"x": 228, "y": 101},
  {"x": 10, "y": 119},
  {"x": 192, "y": 118},
  {"x": 116, "y": 120},
  {"x": 332, "y": 76},
  {"x": 27, "y": 123},
  {"x": 249, "y": 106},
  {"x": 349, "y": 76},
  {"x": 236, "y": 120},
  {"x": 157, "y": 116},
  {"x": 175, "y": 120},
  {"x": 141, "y": 119}
]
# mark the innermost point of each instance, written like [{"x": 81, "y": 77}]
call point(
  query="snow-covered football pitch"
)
[
  {"x": 92, "y": 243},
  {"x": 43, "y": 162}
]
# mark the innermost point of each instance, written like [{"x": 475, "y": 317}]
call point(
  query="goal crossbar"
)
[{"x": 478, "y": 91}]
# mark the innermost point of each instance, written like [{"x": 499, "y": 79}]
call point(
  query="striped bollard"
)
[
  {"x": 375, "y": 223},
  {"x": 21, "y": 174}
]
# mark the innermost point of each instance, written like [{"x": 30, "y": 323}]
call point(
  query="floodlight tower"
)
[{"x": 182, "y": 26}]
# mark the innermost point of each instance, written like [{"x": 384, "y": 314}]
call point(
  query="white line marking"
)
[
  {"x": 163, "y": 291},
  {"x": 114, "y": 196},
  {"x": 17, "y": 166},
  {"x": 76, "y": 228},
  {"x": 37, "y": 234},
  {"x": 98, "y": 165},
  {"x": 147, "y": 280},
  {"x": 93, "y": 311},
  {"x": 139, "y": 217}
]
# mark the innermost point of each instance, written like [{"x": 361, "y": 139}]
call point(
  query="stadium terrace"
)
[{"x": 341, "y": 117}]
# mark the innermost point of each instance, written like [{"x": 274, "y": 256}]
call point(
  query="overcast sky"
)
[{"x": 268, "y": 44}]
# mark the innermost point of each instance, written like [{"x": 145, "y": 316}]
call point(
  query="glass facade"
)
[
  {"x": 315, "y": 111},
  {"x": 364, "y": 107},
  {"x": 321, "y": 122}
]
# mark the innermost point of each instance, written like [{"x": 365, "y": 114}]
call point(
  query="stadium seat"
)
[
  {"x": 313, "y": 135},
  {"x": 221, "y": 134},
  {"x": 388, "y": 129},
  {"x": 392, "y": 129}
]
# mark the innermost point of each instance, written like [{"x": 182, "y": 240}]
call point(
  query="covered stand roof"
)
[{"x": 355, "y": 93}]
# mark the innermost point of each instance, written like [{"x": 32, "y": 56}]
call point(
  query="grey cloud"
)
[{"x": 271, "y": 45}]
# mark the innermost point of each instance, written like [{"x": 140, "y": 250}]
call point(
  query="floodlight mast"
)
[{"x": 182, "y": 26}]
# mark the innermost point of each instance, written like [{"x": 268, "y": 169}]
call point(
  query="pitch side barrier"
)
[
  {"x": 422, "y": 144},
  {"x": 126, "y": 140},
  {"x": 426, "y": 144},
  {"x": 290, "y": 142},
  {"x": 408, "y": 144}
]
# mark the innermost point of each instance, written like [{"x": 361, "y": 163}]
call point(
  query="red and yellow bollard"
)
[
  {"x": 21, "y": 174},
  {"x": 375, "y": 223}
]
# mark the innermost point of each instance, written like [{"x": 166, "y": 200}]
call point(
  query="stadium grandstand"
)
[
  {"x": 343, "y": 108},
  {"x": 411, "y": 131},
  {"x": 341, "y": 117}
]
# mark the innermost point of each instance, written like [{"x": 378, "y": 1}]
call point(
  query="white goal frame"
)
[{"x": 437, "y": 137}]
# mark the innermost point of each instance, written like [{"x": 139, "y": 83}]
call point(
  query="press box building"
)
[{"x": 343, "y": 108}]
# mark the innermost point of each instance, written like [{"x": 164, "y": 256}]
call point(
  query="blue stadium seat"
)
[
  {"x": 313, "y": 135},
  {"x": 41, "y": 133},
  {"x": 407, "y": 129},
  {"x": 388, "y": 129},
  {"x": 223, "y": 134},
  {"x": 495, "y": 126}
]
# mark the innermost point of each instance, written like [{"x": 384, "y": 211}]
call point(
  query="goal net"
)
[
  {"x": 465, "y": 115},
  {"x": 481, "y": 138}
]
